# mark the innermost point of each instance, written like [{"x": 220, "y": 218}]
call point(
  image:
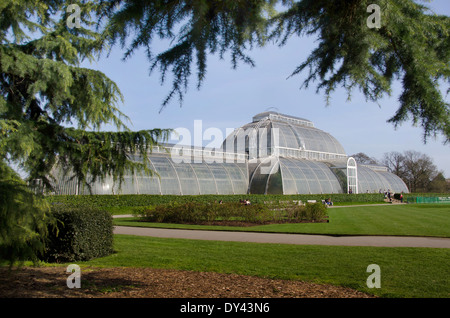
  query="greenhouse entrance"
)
[{"x": 352, "y": 176}]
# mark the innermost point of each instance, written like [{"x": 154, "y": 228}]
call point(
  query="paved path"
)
[{"x": 301, "y": 239}]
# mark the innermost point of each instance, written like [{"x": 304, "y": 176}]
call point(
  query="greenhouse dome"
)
[
  {"x": 289, "y": 155},
  {"x": 274, "y": 154},
  {"x": 285, "y": 136}
]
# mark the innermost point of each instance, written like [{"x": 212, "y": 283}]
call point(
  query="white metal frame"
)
[{"x": 352, "y": 176}]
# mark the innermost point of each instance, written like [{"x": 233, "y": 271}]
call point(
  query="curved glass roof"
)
[
  {"x": 185, "y": 178},
  {"x": 272, "y": 133},
  {"x": 274, "y": 154},
  {"x": 374, "y": 181},
  {"x": 277, "y": 175},
  {"x": 283, "y": 117}
]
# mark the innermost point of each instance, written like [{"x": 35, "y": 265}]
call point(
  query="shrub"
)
[
  {"x": 310, "y": 212},
  {"x": 315, "y": 211},
  {"x": 296, "y": 213},
  {"x": 81, "y": 234},
  {"x": 255, "y": 213},
  {"x": 136, "y": 200},
  {"x": 197, "y": 212}
]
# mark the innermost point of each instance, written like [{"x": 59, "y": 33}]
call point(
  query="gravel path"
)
[{"x": 301, "y": 239}]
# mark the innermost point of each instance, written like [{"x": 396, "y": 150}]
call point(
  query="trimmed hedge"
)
[
  {"x": 133, "y": 200},
  {"x": 81, "y": 234},
  {"x": 199, "y": 212}
]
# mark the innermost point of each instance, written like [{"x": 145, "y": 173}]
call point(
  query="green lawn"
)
[
  {"x": 412, "y": 220},
  {"x": 405, "y": 272}
]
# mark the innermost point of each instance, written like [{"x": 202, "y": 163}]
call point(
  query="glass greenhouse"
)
[
  {"x": 274, "y": 154},
  {"x": 201, "y": 175}
]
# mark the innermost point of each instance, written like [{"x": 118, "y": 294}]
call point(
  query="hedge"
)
[
  {"x": 81, "y": 234},
  {"x": 201, "y": 212},
  {"x": 133, "y": 200}
]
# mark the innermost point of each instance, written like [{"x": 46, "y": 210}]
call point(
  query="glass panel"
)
[
  {"x": 289, "y": 135},
  {"x": 398, "y": 185},
  {"x": 205, "y": 178},
  {"x": 289, "y": 187},
  {"x": 128, "y": 186},
  {"x": 258, "y": 180},
  {"x": 310, "y": 176},
  {"x": 275, "y": 183},
  {"x": 169, "y": 180},
  {"x": 391, "y": 182},
  {"x": 288, "y": 178},
  {"x": 149, "y": 185},
  {"x": 223, "y": 181},
  {"x": 64, "y": 184},
  {"x": 363, "y": 184},
  {"x": 188, "y": 180},
  {"x": 353, "y": 177},
  {"x": 240, "y": 186},
  {"x": 324, "y": 183},
  {"x": 372, "y": 180},
  {"x": 281, "y": 142},
  {"x": 297, "y": 174},
  {"x": 224, "y": 187}
]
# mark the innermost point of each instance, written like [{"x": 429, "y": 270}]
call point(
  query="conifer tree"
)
[
  {"x": 408, "y": 43},
  {"x": 43, "y": 89}
]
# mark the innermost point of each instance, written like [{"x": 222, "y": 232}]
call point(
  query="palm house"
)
[{"x": 274, "y": 154}]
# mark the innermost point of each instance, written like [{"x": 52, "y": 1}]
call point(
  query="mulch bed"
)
[{"x": 50, "y": 282}]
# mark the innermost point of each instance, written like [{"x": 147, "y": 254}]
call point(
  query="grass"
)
[
  {"x": 409, "y": 220},
  {"x": 405, "y": 272}
]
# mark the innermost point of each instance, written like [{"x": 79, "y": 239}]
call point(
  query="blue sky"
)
[{"x": 230, "y": 98}]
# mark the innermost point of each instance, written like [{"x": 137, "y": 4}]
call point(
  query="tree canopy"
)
[
  {"x": 411, "y": 45},
  {"x": 43, "y": 92},
  {"x": 417, "y": 170},
  {"x": 52, "y": 109}
]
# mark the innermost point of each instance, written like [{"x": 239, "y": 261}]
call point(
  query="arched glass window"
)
[{"x": 352, "y": 176}]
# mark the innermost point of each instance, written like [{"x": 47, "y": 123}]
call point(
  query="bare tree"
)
[
  {"x": 420, "y": 170},
  {"x": 416, "y": 169},
  {"x": 364, "y": 159},
  {"x": 394, "y": 162}
]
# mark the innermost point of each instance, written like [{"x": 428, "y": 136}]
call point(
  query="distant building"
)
[{"x": 274, "y": 154}]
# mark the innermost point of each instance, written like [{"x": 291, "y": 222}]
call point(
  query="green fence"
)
[{"x": 428, "y": 200}]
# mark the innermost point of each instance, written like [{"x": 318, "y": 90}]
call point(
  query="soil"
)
[{"x": 51, "y": 282}]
